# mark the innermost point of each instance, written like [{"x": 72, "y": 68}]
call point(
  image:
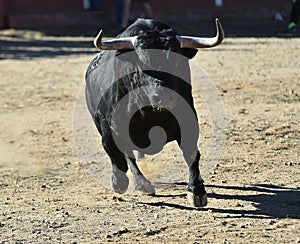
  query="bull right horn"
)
[
  {"x": 114, "y": 44},
  {"x": 201, "y": 42}
]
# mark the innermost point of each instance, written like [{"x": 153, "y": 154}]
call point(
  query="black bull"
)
[{"x": 138, "y": 91}]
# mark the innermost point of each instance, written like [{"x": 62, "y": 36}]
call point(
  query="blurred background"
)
[{"x": 73, "y": 17}]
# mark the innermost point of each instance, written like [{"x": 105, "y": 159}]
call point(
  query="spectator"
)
[
  {"x": 126, "y": 10},
  {"x": 294, "y": 17},
  {"x": 93, "y": 5},
  {"x": 118, "y": 12}
]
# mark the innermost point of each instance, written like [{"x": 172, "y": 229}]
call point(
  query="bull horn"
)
[
  {"x": 114, "y": 44},
  {"x": 200, "y": 42}
]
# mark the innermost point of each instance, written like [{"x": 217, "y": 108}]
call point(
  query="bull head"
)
[{"x": 185, "y": 41}]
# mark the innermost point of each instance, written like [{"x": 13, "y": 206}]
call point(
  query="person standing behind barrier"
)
[
  {"x": 92, "y": 5},
  {"x": 126, "y": 10},
  {"x": 294, "y": 17},
  {"x": 119, "y": 12}
]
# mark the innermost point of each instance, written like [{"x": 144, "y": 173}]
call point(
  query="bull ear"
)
[{"x": 189, "y": 52}]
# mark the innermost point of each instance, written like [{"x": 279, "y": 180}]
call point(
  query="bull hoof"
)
[
  {"x": 197, "y": 201},
  {"x": 142, "y": 184},
  {"x": 120, "y": 182}
]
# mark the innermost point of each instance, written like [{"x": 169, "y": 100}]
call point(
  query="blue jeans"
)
[
  {"x": 119, "y": 11},
  {"x": 96, "y": 5}
]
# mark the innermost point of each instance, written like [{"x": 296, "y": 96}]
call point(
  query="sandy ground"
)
[{"x": 47, "y": 194}]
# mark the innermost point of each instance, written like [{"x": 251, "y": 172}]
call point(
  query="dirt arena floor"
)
[{"x": 47, "y": 194}]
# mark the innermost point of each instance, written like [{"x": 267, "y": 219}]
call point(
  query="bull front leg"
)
[
  {"x": 197, "y": 195},
  {"x": 120, "y": 163},
  {"x": 140, "y": 181},
  {"x": 119, "y": 178}
]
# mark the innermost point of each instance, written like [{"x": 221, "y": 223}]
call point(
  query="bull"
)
[{"x": 144, "y": 75}]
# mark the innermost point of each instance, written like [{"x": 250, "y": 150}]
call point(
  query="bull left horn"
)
[
  {"x": 114, "y": 44},
  {"x": 201, "y": 42}
]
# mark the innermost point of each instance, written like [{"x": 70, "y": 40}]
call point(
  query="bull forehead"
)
[
  {"x": 145, "y": 25},
  {"x": 153, "y": 39}
]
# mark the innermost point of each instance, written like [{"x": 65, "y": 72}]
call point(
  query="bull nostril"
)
[{"x": 156, "y": 99}]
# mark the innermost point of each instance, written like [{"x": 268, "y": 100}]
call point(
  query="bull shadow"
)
[{"x": 269, "y": 201}]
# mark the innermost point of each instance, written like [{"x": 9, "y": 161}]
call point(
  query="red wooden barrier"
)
[
  {"x": 2, "y": 14},
  {"x": 55, "y": 13}
]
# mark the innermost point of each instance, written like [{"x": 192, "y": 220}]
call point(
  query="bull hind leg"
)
[
  {"x": 140, "y": 181},
  {"x": 197, "y": 195}
]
